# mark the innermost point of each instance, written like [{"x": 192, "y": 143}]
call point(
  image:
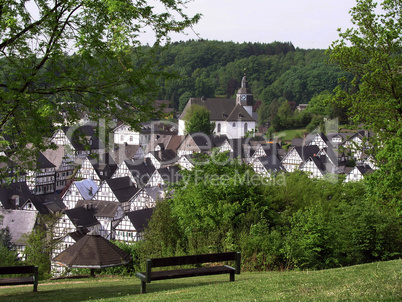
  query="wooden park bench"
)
[
  {"x": 149, "y": 275},
  {"x": 30, "y": 270}
]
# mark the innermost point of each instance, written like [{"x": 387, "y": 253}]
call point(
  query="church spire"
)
[{"x": 244, "y": 96}]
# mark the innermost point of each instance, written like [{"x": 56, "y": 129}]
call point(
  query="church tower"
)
[{"x": 244, "y": 96}]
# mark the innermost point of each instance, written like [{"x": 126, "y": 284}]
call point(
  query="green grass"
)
[
  {"x": 369, "y": 282},
  {"x": 288, "y": 135}
]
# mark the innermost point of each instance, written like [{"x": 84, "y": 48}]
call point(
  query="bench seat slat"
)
[
  {"x": 192, "y": 272},
  {"x": 17, "y": 281}
]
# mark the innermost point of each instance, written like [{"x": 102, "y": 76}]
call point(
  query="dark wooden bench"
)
[
  {"x": 20, "y": 270},
  {"x": 149, "y": 275}
]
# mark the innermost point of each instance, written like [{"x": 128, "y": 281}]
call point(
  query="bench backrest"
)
[
  {"x": 193, "y": 259},
  {"x": 13, "y": 270}
]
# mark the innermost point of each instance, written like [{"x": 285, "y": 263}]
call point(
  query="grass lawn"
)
[
  {"x": 380, "y": 281},
  {"x": 288, "y": 135}
]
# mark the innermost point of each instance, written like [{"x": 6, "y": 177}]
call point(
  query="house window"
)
[
  {"x": 131, "y": 138},
  {"x": 121, "y": 137},
  {"x": 245, "y": 128},
  {"x": 234, "y": 125},
  {"x": 219, "y": 128}
]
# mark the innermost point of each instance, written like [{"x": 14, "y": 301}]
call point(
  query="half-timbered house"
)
[
  {"x": 313, "y": 167},
  {"x": 79, "y": 190},
  {"x": 267, "y": 166},
  {"x": 138, "y": 171},
  {"x": 358, "y": 173},
  {"x": 147, "y": 198},
  {"x": 165, "y": 176},
  {"x": 108, "y": 214},
  {"x": 20, "y": 224},
  {"x": 121, "y": 190},
  {"x": 132, "y": 226},
  {"x": 320, "y": 140},
  {"x": 42, "y": 179},
  {"x": 297, "y": 155}
]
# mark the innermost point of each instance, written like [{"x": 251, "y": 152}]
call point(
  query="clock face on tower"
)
[{"x": 243, "y": 97}]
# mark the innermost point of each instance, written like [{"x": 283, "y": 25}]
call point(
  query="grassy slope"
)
[
  {"x": 288, "y": 135},
  {"x": 370, "y": 282}
]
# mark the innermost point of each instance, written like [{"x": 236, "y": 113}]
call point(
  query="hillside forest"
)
[{"x": 278, "y": 74}]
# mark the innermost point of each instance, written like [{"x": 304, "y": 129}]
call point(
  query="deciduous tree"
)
[
  {"x": 198, "y": 120},
  {"x": 105, "y": 73},
  {"x": 372, "y": 52}
]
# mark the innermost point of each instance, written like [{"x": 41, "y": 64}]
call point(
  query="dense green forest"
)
[{"x": 275, "y": 71}]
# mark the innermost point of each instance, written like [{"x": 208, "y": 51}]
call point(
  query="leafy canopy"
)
[
  {"x": 106, "y": 74},
  {"x": 198, "y": 119},
  {"x": 372, "y": 52}
]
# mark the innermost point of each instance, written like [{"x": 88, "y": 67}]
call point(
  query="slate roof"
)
[
  {"x": 100, "y": 208},
  {"x": 52, "y": 202},
  {"x": 271, "y": 163},
  {"x": 170, "y": 174},
  {"x": 165, "y": 156},
  {"x": 141, "y": 171},
  {"x": 10, "y": 192},
  {"x": 239, "y": 114},
  {"x": 307, "y": 151},
  {"x": 78, "y": 234},
  {"x": 203, "y": 141},
  {"x": 19, "y": 223},
  {"x": 220, "y": 109},
  {"x": 140, "y": 218},
  {"x": 82, "y": 217},
  {"x": 318, "y": 163},
  {"x": 123, "y": 188},
  {"x": 106, "y": 164},
  {"x": 43, "y": 163},
  {"x": 364, "y": 169}
]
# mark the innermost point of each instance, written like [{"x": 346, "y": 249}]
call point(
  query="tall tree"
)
[
  {"x": 8, "y": 254},
  {"x": 198, "y": 119},
  {"x": 106, "y": 72},
  {"x": 372, "y": 51}
]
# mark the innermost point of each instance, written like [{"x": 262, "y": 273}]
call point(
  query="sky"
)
[{"x": 306, "y": 23}]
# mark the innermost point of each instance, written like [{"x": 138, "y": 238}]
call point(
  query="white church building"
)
[{"x": 232, "y": 117}]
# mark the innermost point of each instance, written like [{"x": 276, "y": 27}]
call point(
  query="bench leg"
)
[
  {"x": 232, "y": 276},
  {"x": 36, "y": 278},
  {"x": 143, "y": 287}
]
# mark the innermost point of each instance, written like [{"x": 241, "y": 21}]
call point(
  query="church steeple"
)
[{"x": 244, "y": 96}]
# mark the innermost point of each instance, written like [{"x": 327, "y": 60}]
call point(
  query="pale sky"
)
[{"x": 305, "y": 23}]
